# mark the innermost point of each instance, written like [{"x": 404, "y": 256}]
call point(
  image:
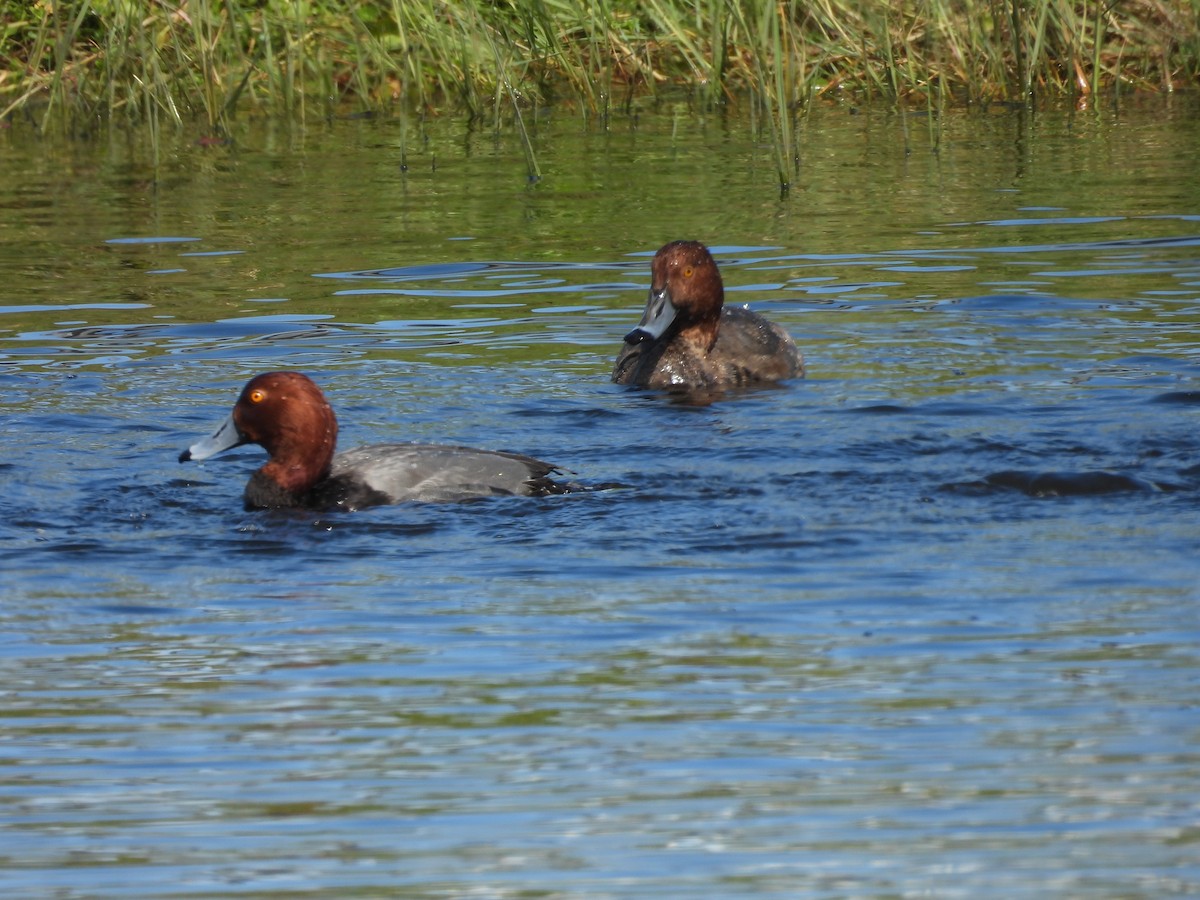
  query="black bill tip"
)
[{"x": 637, "y": 336}]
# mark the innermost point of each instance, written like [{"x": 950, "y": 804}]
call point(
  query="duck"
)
[
  {"x": 287, "y": 415},
  {"x": 688, "y": 339}
]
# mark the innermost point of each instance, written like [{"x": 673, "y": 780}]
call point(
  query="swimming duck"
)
[
  {"x": 688, "y": 339},
  {"x": 288, "y": 416}
]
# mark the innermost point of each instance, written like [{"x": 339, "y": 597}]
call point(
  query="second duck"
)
[{"x": 687, "y": 339}]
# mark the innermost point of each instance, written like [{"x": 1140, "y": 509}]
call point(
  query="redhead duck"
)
[
  {"x": 688, "y": 339},
  {"x": 287, "y": 415}
]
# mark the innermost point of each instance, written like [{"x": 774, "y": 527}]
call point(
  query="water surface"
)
[{"x": 924, "y": 623}]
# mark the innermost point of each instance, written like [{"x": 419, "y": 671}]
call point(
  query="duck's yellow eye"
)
[
  {"x": 687, "y": 271},
  {"x": 258, "y": 395}
]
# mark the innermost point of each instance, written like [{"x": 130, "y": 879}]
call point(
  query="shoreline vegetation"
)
[{"x": 200, "y": 63}]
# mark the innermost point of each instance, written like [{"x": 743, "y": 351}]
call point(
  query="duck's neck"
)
[
  {"x": 301, "y": 457},
  {"x": 702, "y": 333}
]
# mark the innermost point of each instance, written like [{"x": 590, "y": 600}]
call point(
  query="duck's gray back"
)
[{"x": 436, "y": 472}]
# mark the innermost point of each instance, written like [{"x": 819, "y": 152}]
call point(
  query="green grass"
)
[{"x": 177, "y": 61}]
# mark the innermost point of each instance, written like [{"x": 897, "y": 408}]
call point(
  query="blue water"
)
[{"x": 922, "y": 624}]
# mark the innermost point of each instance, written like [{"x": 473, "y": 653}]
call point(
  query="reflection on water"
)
[{"x": 923, "y": 623}]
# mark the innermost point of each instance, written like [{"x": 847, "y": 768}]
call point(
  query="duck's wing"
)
[{"x": 750, "y": 348}]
